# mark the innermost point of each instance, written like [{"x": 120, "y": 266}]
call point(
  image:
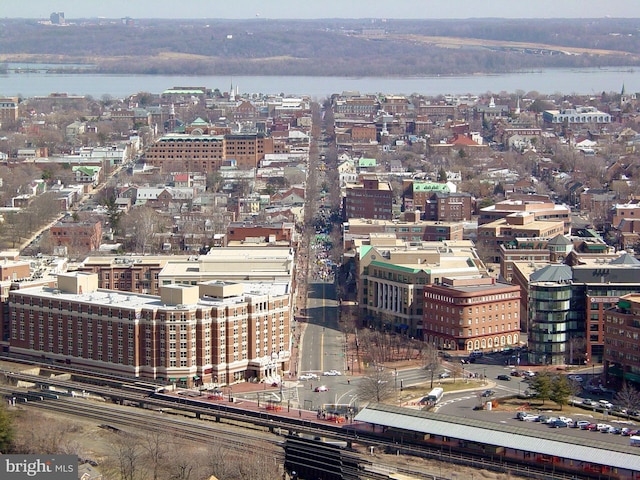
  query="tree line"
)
[{"x": 319, "y": 47}]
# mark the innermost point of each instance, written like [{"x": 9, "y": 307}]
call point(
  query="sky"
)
[{"x": 303, "y": 9}]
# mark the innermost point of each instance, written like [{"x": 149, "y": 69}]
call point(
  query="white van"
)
[{"x": 605, "y": 404}]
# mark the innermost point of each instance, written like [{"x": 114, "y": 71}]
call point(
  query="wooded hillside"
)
[{"x": 325, "y": 47}]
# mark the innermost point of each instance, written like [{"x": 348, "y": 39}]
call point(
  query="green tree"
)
[
  {"x": 7, "y": 432},
  {"x": 561, "y": 390},
  {"x": 214, "y": 182},
  {"x": 541, "y": 383},
  {"x": 442, "y": 175},
  {"x": 113, "y": 213}
]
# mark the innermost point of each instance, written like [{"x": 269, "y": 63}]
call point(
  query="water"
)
[{"x": 568, "y": 81}]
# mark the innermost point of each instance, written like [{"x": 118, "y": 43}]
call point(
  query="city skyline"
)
[{"x": 288, "y": 9}]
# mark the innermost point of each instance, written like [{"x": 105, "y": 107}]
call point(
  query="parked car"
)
[
  {"x": 615, "y": 430},
  {"x": 592, "y": 427},
  {"x": 505, "y": 378},
  {"x": 605, "y": 404},
  {"x": 625, "y": 432},
  {"x": 576, "y": 378},
  {"x": 603, "y": 427},
  {"x": 530, "y": 418},
  {"x": 321, "y": 388},
  {"x": 519, "y": 415},
  {"x": 588, "y": 401},
  {"x": 516, "y": 373},
  {"x": 559, "y": 424},
  {"x": 582, "y": 424}
]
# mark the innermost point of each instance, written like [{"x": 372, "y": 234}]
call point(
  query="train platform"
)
[{"x": 265, "y": 402}]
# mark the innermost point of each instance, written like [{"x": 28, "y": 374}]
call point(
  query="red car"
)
[{"x": 592, "y": 427}]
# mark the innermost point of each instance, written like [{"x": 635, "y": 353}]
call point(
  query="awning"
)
[{"x": 196, "y": 377}]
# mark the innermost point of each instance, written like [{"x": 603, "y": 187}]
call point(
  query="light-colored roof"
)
[
  {"x": 552, "y": 273},
  {"x": 583, "y": 450}
]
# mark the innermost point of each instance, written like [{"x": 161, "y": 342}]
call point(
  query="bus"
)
[{"x": 435, "y": 395}]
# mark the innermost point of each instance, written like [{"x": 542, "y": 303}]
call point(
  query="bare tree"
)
[
  {"x": 628, "y": 398},
  {"x": 140, "y": 225},
  {"x": 32, "y": 438},
  {"x": 431, "y": 360},
  {"x": 217, "y": 463},
  {"x": 126, "y": 454},
  {"x": 376, "y": 386},
  {"x": 156, "y": 447}
]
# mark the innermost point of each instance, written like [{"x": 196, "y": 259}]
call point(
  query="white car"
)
[
  {"x": 444, "y": 375},
  {"x": 332, "y": 373},
  {"x": 529, "y": 418}
]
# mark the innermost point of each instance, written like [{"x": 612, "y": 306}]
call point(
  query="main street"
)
[{"x": 322, "y": 350}]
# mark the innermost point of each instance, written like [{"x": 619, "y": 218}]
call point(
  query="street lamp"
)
[{"x": 484, "y": 376}]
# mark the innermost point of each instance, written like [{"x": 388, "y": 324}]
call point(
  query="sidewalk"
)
[{"x": 265, "y": 405}]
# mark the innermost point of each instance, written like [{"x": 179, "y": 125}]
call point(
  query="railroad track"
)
[
  {"x": 136, "y": 420},
  {"x": 132, "y": 419}
]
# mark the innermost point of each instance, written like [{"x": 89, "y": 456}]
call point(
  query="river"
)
[{"x": 589, "y": 81}]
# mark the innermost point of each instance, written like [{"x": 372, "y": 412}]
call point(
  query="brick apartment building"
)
[
  {"x": 472, "y": 314},
  {"x": 621, "y": 340},
  {"x": 8, "y": 110},
  {"x": 215, "y": 332},
  {"x": 371, "y": 198},
  {"x": 83, "y": 235},
  {"x": 268, "y": 233},
  {"x": 204, "y": 153}
]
